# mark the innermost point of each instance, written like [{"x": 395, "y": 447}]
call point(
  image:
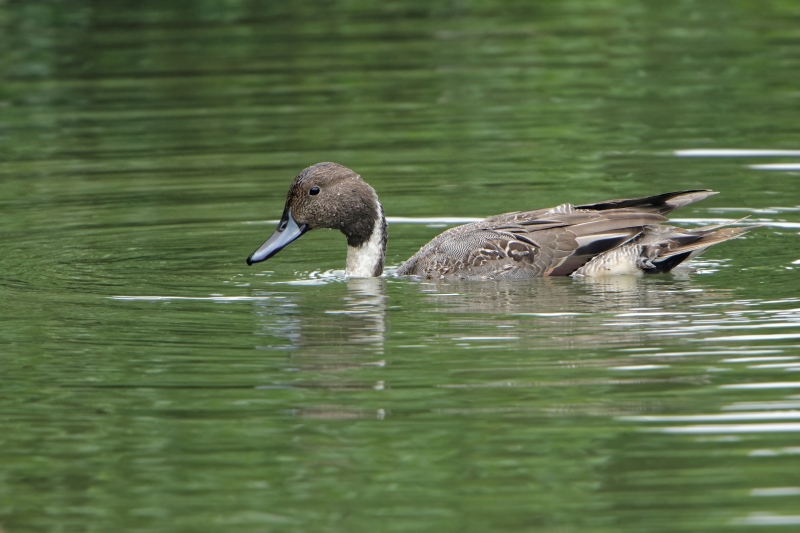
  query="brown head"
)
[{"x": 326, "y": 195}]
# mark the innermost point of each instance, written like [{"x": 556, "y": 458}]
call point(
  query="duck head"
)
[{"x": 329, "y": 195}]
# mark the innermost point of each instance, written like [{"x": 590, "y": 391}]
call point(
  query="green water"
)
[{"x": 151, "y": 381}]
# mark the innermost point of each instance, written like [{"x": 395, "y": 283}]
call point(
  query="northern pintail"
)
[{"x": 611, "y": 237}]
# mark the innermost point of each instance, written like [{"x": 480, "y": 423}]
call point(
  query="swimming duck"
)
[{"x": 612, "y": 237}]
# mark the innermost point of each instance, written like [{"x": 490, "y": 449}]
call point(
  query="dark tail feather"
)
[
  {"x": 660, "y": 203},
  {"x": 667, "y": 264},
  {"x": 683, "y": 245}
]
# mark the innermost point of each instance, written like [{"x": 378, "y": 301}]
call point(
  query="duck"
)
[{"x": 612, "y": 237}]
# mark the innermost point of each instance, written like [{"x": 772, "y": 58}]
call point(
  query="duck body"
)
[{"x": 623, "y": 236}]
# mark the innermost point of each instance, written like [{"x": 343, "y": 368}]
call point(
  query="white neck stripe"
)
[{"x": 366, "y": 261}]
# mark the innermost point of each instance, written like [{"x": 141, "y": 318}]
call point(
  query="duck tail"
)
[{"x": 675, "y": 245}]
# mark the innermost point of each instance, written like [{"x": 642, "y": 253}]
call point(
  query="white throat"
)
[{"x": 366, "y": 261}]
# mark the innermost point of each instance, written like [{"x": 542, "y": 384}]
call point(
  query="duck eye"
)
[{"x": 314, "y": 190}]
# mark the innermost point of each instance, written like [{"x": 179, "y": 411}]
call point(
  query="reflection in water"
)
[
  {"x": 337, "y": 333},
  {"x": 279, "y": 321},
  {"x": 609, "y": 311},
  {"x": 553, "y": 313},
  {"x": 560, "y": 296},
  {"x": 630, "y": 327},
  {"x": 332, "y": 349},
  {"x": 366, "y": 306}
]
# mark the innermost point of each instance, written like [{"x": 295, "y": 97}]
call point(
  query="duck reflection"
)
[
  {"x": 341, "y": 326},
  {"x": 559, "y": 313},
  {"x": 566, "y": 295},
  {"x": 366, "y": 307},
  {"x": 326, "y": 326},
  {"x": 335, "y": 333}
]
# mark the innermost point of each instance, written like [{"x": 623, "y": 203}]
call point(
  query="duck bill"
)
[{"x": 288, "y": 231}]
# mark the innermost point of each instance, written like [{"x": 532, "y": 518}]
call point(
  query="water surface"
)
[{"x": 151, "y": 381}]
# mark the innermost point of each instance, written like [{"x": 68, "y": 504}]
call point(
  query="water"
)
[{"x": 151, "y": 381}]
